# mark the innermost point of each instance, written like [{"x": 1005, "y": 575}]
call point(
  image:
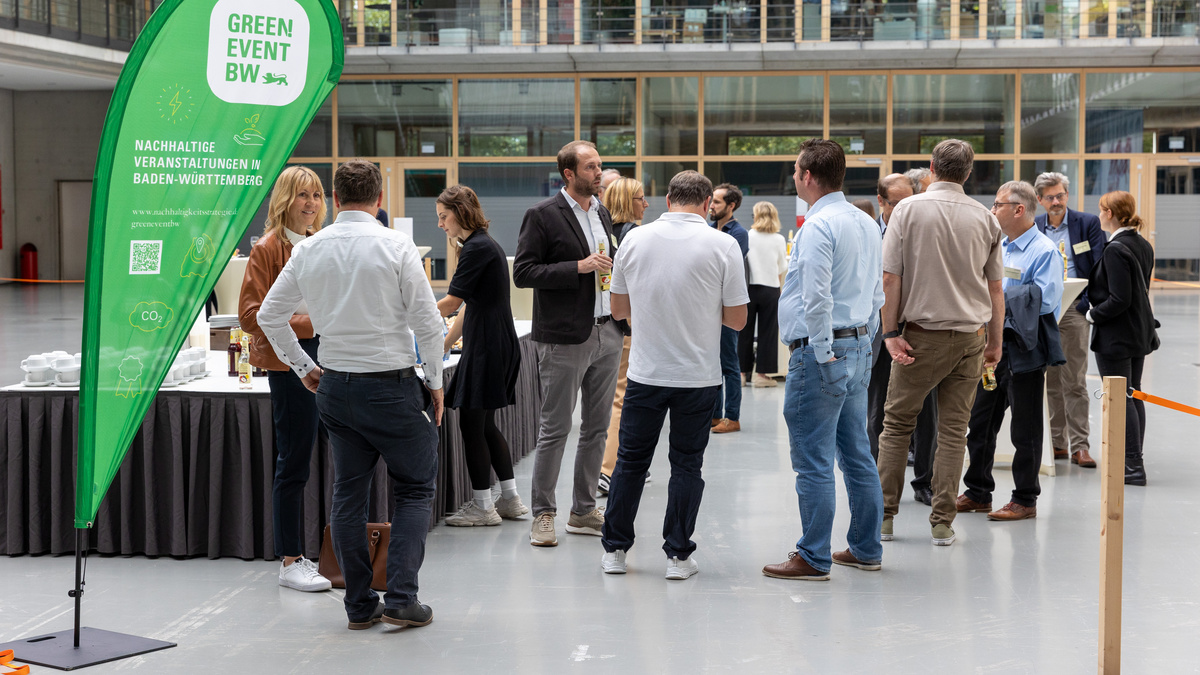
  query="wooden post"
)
[{"x": 1112, "y": 507}]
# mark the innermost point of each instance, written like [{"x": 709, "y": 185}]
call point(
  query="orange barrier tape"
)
[
  {"x": 45, "y": 281},
  {"x": 1143, "y": 396},
  {"x": 6, "y": 657}
]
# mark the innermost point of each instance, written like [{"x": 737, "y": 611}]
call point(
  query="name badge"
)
[
  {"x": 1012, "y": 272},
  {"x": 1082, "y": 247}
]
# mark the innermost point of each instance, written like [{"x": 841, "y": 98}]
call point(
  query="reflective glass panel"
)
[
  {"x": 1176, "y": 235},
  {"x": 317, "y": 140},
  {"x": 858, "y": 113},
  {"x": 761, "y": 115},
  {"x": 1143, "y": 112},
  {"x": 1050, "y": 112},
  {"x": 1176, "y": 18},
  {"x": 607, "y": 115},
  {"x": 506, "y": 191},
  {"x": 1101, "y": 176},
  {"x": 394, "y": 118},
  {"x": 670, "y": 119},
  {"x": 976, "y": 108},
  {"x": 515, "y": 118}
]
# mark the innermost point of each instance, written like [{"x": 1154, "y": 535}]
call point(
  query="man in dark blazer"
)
[
  {"x": 1079, "y": 238},
  {"x": 564, "y": 253}
]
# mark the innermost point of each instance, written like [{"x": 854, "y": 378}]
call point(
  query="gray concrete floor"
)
[{"x": 1006, "y": 598}]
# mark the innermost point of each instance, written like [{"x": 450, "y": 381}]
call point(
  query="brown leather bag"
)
[{"x": 378, "y": 536}]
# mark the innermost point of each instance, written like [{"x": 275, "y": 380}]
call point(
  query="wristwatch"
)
[{"x": 891, "y": 334}]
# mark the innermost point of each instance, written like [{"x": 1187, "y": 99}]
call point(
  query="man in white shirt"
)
[
  {"x": 367, "y": 296},
  {"x": 678, "y": 281}
]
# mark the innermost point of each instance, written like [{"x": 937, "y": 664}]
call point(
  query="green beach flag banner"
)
[{"x": 211, "y": 102}]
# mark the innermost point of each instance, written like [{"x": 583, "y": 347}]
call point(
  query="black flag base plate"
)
[{"x": 57, "y": 650}]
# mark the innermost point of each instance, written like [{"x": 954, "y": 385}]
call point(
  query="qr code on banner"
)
[{"x": 145, "y": 257}]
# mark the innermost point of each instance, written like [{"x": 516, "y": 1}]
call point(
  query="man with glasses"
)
[
  {"x": 1079, "y": 239},
  {"x": 942, "y": 270},
  {"x": 1033, "y": 283}
]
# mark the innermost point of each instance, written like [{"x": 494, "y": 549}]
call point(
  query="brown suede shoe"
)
[
  {"x": 1013, "y": 511},
  {"x": 1083, "y": 459},
  {"x": 847, "y": 558},
  {"x": 796, "y": 569},
  {"x": 727, "y": 426},
  {"x": 715, "y": 422},
  {"x": 1060, "y": 453},
  {"x": 967, "y": 505}
]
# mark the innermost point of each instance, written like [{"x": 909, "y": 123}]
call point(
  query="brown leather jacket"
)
[{"x": 267, "y": 258}]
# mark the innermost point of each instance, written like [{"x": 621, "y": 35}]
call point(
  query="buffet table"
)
[{"x": 197, "y": 478}]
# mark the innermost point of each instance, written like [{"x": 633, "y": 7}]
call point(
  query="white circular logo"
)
[{"x": 258, "y": 51}]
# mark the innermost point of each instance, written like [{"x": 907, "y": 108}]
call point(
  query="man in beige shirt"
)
[{"x": 942, "y": 275}]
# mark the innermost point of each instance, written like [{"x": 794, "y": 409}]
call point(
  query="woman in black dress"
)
[
  {"x": 486, "y": 377},
  {"x": 1123, "y": 330}
]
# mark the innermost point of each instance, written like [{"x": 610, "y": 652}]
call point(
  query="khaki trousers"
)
[
  {"x": 1066, "y": 386},
  {"x": 951, "y": 362},
  {"x": 614, "y": 425}
]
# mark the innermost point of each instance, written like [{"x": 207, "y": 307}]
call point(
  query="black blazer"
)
[
  {"x": 549, "y": 247},
  {"x": 1124, "y": 323},
  {"x": 1081, "y": 227}
]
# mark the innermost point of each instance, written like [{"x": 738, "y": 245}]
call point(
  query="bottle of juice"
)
[
  {"x": 243, "y": 369},
  {"x": 605, "y": 277},
  {"x": 235, "y": 349}
]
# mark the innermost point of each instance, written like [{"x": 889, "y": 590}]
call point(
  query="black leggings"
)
[
  {"x": 1135, "y": 410},
  {"x": 484, "y": 447}
]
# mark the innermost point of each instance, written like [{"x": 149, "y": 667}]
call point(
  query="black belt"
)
[
  {"x": 601, "y": 320},
  {"x": 838, "y": 333},
  {"x": 402, "y": 374}
]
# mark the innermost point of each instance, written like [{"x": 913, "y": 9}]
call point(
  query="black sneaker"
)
[
  {"x": 415, "y": 614},
  {"x": 602, "y": 488},
  {"x": 363, "y": 624}
]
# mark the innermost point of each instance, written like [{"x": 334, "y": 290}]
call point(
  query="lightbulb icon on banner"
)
[{"x": 175, "y": 104}]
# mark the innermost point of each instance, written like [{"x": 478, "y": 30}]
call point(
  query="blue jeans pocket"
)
[{"x": 834, "y": 376}]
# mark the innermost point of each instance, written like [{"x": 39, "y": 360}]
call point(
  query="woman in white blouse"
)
[{"x": 768, "y": 263}]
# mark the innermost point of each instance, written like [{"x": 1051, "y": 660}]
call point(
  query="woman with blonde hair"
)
[
  {"x": 768, "y": 263},
  {"x": 625, "y": 200},
  {"x": 295, "y": 211},
  {"x": 1123, "y": 331},
  {"x": 486, "y": 377}
]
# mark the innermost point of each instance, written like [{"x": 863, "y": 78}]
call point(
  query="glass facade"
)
[{"x": 1104, "y": 130}]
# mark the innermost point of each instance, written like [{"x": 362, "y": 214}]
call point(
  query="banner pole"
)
[
  {"x": 80, "y": 534},
  {"x": 1112, "y": 498}
]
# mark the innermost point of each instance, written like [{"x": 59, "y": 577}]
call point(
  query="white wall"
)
[
  {"x": 8, "y": 221},
  {"x": 57, "y": 135}
]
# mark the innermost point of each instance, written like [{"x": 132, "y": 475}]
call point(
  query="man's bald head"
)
[{"x": 891, "y": 189}]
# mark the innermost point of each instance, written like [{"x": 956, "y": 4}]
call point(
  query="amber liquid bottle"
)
[
  {"x": 243, "y": 365},
  {"x": 235, "y": 350}
]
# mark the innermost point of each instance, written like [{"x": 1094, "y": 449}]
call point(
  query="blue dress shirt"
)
[
  {"x": 835, "y": 275},
  {"x": 1036, "y": 260},
  {"x": 1061, "y": 234}
]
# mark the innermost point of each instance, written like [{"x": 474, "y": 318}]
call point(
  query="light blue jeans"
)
[{"x": 825, "y": 406}]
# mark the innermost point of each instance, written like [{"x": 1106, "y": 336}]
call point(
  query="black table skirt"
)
[{"x": 197, "y": 478}]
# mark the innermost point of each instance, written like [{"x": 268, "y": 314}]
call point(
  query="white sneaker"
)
[
  {"x": 471, "y": 515},
  {"x": 681, "y": 569},
  {"x": 511, "y": 508},
  {"x": 613, "y": 563},
  {"x": 302, "y": 575}
]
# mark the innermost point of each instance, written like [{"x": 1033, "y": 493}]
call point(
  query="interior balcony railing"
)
[{"x": 446, "y": 23}]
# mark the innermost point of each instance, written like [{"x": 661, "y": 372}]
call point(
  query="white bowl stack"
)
[{"x": 57, "y": 367}]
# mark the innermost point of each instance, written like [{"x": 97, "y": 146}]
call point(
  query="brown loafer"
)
[
  {"x": 847, "y": 558},
  {"x": 715, "y": 422},
  {"x": 1013, "y": 511},
  {"x": 1060, "y": 453},
  {"x": 727, "y": 426},
  {"x": 796, "y": 569},
  {"x": 1083, "y": 459},
  {"x": 965, "y": 504}
]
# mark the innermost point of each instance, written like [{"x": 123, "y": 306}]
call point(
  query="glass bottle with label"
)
[
  {"x": 605, "y": 277},
  {"x": 244, "y": 370},
  {"x": 235, "y": 350},
  {"x": 989, "y": 378}
]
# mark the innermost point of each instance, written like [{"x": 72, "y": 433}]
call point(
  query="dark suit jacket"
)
[
  {"x": 1081, "y": 227},
  {"x": 1032, "y": 341},
  {"x": 548, "y": 249},
  {"x": 1124, "y": 323}
]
